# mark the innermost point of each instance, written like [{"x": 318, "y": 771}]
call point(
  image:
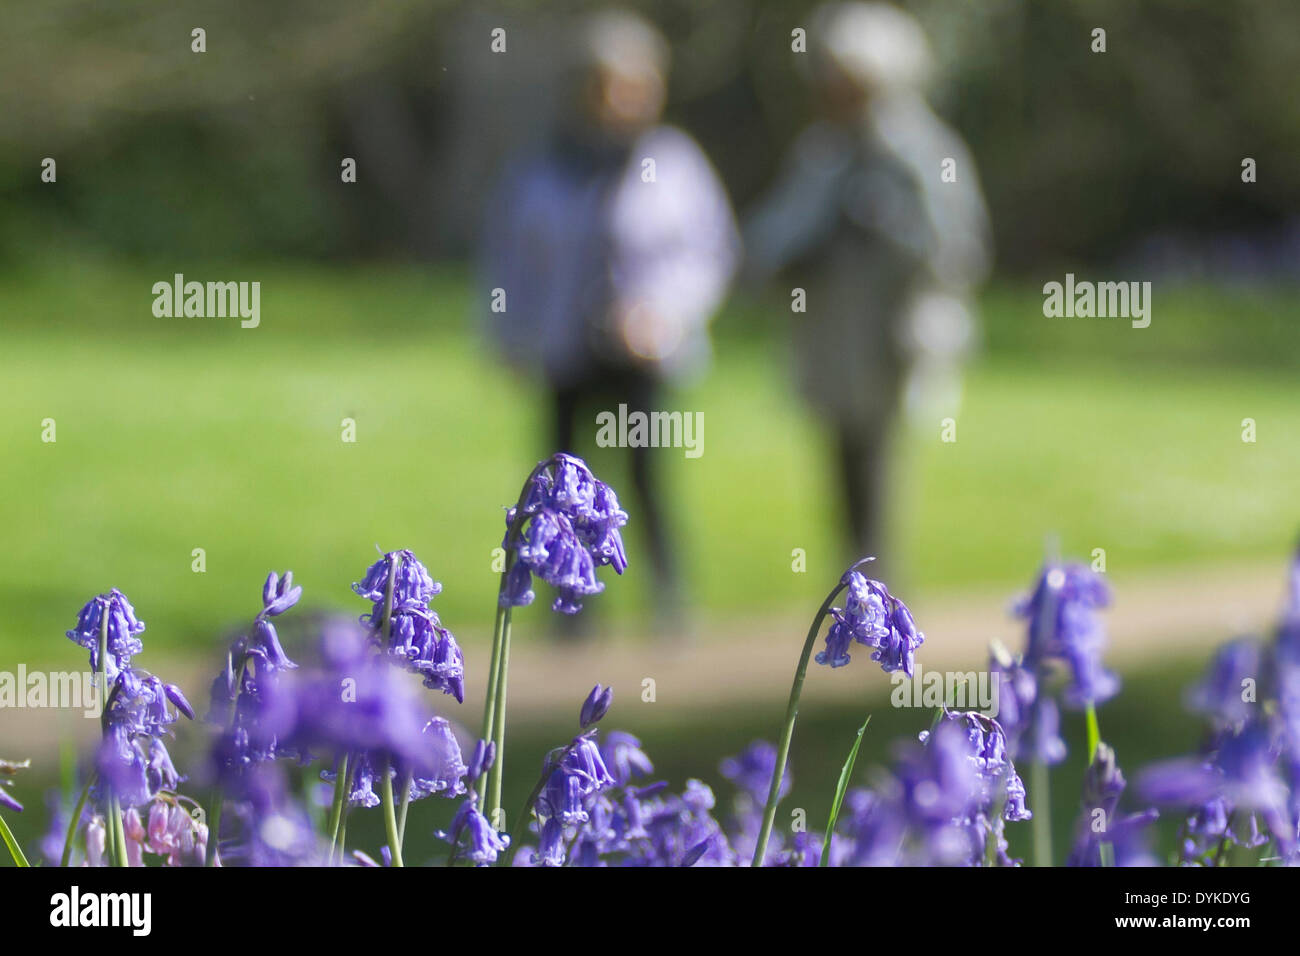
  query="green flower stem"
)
[
  {"x": 1040, "y": 781},
  {"x": 119, "y": 834},
  {"x": 76, "y": 818},
  {"x": 341, "y": 776},
  {"x": 1094, "y": 732},
  {"x": 390, "y": 816},
  {"x": 490, "y": 698},
  {"x": 386, "y": 776},
  {"x": 407, "y": 776},
  {"x": 496, "y": 774},
  {"x": 216, "y": 799},
  {"x": 14, "y": 849},
  {"x": 1105, "y": 848},
  {"x": 494, "y": 705},
  {"x": 787, "y": 731}
]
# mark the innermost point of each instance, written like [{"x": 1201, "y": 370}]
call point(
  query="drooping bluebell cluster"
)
[
  {"x": 1100, "y": 825},
  {"x": 416, "y": 638},
  {"x": 873, "y": 617},
  {"x": 565, "y": 527},
  {"x": 751, "y": 771},
  {"x": 592, "y": 810},
  {"x": 1243, "y": 788},
  {"x": 1064, "y": 629},
  {"x": 1032, "y": 721},
  {"x": 471, "y": 834},
  {"x": 946, "y": 802},
  {"x": 132, "y": 762},
  {"x": 114, "y": 612},
  {"x": 1065, "y": 626},
  {"x": 253, "y": 665},
  {"x": 356, "y": 704},
  {"x": 270, "y": 828}
]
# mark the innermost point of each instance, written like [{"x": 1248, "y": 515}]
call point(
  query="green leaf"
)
[
  {"x": 14, "y": 849},
  {"x": 840, "y": 789}
]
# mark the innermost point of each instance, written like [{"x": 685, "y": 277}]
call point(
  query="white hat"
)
[{"x": 877, "y": 46}]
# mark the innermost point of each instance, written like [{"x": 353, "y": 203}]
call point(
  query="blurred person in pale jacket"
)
[
  {"x": 610, "y": 267},
  {"x": 887, "y": 248}
]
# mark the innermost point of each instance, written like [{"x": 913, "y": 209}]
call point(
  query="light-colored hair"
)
[
  {"x": 875, "y": 45},
  {"x": 622, "y": 42}
]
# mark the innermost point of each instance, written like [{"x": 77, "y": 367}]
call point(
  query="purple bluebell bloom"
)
[
  {"x": 132, "y": 760},
  {"x": 567, "y": 527},
  {"x": 595, "y": 706},
  {"x": 581, "y": 773},
  {"x": 254, "y": 664},
  {"x": 751, "y": 771},
  {"x": 624, "y": 757},
  {"x": 416, "y": 638},
  {"x": 269, "y": 828},
  {"x": 873, "y": 617},
  {"x": 473, "y": 837},
  {"x": 1227, "y": 691},
  {"x": 1240, "y": 775},
  {"x": 871, "y": 830},
  {"x": 123, "y": 631},
  {"x": 481, "y": 760},
  {"x": 1100, "y": 823},
  {"x": 1064, "y": 626},
  {"x": 1031, "y": 720}
]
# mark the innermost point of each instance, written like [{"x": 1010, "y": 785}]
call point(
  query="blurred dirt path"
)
[{"x": 1154, "y": 619}]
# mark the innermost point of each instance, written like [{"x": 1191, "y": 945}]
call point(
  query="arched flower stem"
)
[{"x": 792, "y": 712}]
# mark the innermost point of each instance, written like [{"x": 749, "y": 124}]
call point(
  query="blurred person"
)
[
  {"x": 886, "y": 246},
  {"x": 611, "y": 248}
]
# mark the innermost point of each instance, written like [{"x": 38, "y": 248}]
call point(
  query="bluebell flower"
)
[
  {"x": 1064, "y": 626},
  {"x": 123, "y": 631},
  {"x": 132, "y": 760},
  {"x": 473, "y": 837},
  {"x": 268, "y": 827},
  {"x": 1100, "y": 822},
  {"x": 413, "y": 587},
  {"x": 580, "y": 774},
  {"x": 1222, "y": 693},
  {"x": 566, "y": 527},
  {"x": 416, "y": 638},
  {"x": 481, "y": 760},
  {"x": 1031, "y": 721},
  {"x": 871, "y": 830},
  {"x": 359, "y": 704},
  {"x": 595, "y": 706},
  {"x": 1241, "y": 772},
  {"x": 624, "y": 757},
  {"x": 873, "y": 617},
  {"x": 254, "y": 663},
  {"x": 751, "y": 771}
]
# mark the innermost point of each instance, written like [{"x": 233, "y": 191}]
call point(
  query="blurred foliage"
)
[{"x": 236, "y": 151}]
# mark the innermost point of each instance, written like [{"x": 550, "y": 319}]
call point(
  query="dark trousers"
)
[
  {"x": 864, "y": 471},
  {"x": 575, "y": 408}
]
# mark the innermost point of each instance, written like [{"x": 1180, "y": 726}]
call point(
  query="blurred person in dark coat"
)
[
  {"x": 607, "y": 253},
  {"x": 886, "y": 246}
]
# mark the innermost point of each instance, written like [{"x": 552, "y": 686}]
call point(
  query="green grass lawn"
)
[{"x": 176, "y": 434}]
